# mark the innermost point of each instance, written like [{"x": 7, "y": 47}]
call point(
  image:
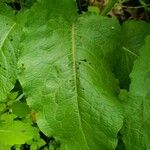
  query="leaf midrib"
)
[{"x": 75, "y": 79}]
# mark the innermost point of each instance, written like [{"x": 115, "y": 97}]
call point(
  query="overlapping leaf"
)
[
  {"x": 133, "y": 35},
  {"x": 7, "y": 57},
  {"x": 137, "y": 123}
]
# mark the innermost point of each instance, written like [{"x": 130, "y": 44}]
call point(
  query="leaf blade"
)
[{"x": 62, "y": 92}]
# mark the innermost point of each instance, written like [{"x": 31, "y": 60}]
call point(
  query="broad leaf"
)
[
  {"x": 137, "y": 123},
  {"x": 68, "y": 82}
]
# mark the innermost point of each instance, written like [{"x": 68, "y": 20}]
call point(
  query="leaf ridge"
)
[{"x": 75, "y": 77}]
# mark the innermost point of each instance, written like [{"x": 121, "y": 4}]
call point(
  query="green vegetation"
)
[{"x": 72, "y": 81}]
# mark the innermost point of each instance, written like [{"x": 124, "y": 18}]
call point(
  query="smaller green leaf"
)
[
  {"x": 7, "y": 117},
  {"x": 4, "y": 147},
  {"x": 15, "y": 132},
  {"x": 93, "y": 9},
  {"x": 20, "y": 109},
  {"x": 12, "y": 96},
  {"x": 133, "y": 35},
  {"x": 36, "y": 142},
  {"x": 136, "y": 133}
]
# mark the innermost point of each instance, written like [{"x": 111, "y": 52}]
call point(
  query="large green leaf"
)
[
  {"x": 67, "y": 81},
  {"x": 137, "y": 123},
  {"x": 133, "y": 35}
]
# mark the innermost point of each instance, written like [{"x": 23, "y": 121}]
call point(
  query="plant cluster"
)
[{"x": 71, "y": 81}]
